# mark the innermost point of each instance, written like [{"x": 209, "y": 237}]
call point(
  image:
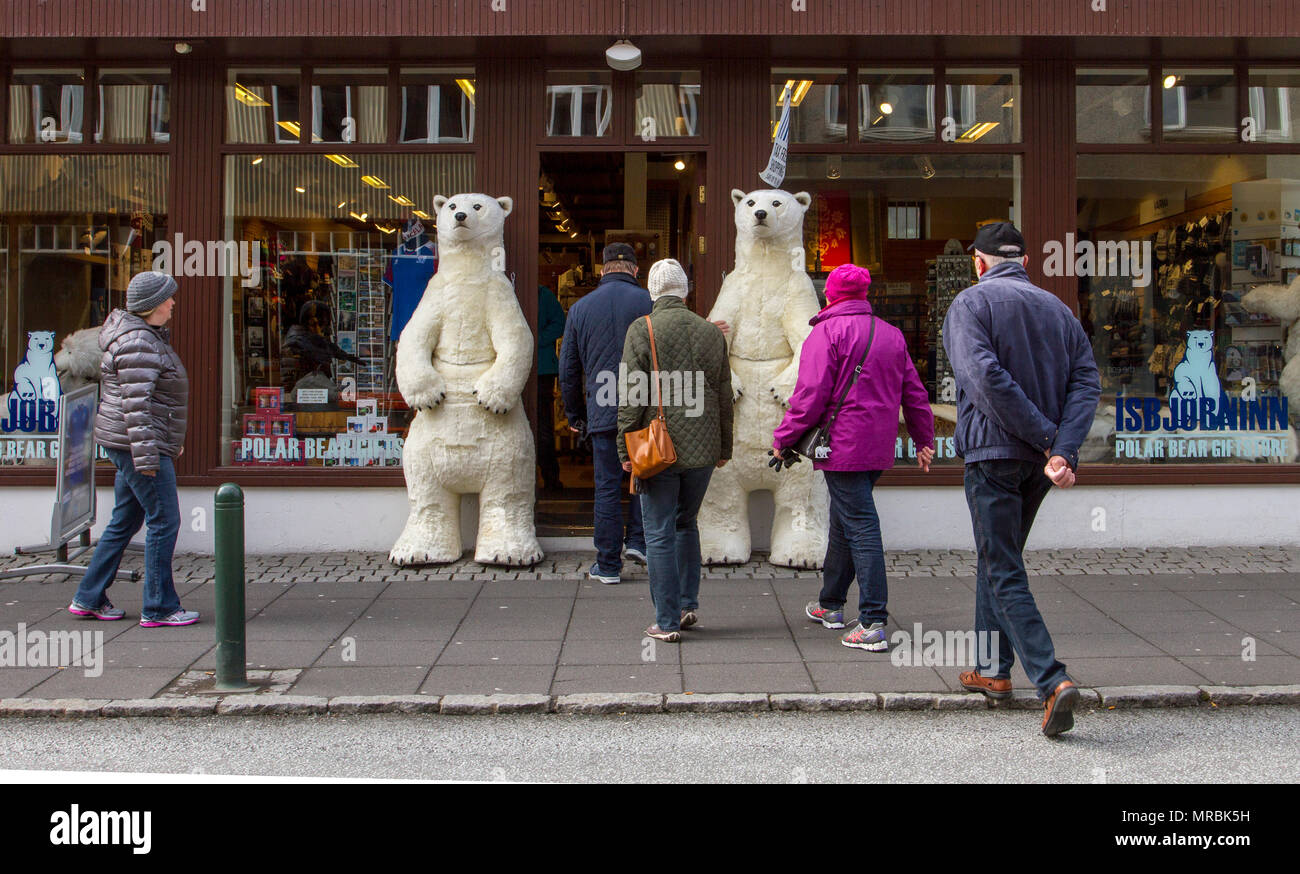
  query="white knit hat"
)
[{"x": 667, "y": 277}]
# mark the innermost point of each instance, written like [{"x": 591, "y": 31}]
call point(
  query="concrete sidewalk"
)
[{"x": 352, "y": 624}]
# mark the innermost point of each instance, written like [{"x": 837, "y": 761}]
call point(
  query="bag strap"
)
[
  {"x": 853, "y": 379},
  {"x": 654, "y": 358}
]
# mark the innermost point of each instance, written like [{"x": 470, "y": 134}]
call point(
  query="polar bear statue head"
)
[
  {"x": 770, "y": 216},
  {"x": 1200, "y": 346},
  {"x": 471, "y": 218}
]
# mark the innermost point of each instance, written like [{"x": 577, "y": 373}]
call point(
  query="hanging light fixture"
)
[{"x": 622, "y": 55}]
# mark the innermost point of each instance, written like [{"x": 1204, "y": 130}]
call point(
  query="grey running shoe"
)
[
  {"x": 829, "y": 618},
  {"x": 105, "y": 611},
  {"x": 180, "y": 617},
  {"x": 869, "y": 637},
  {"x": 637, "y": 555}
]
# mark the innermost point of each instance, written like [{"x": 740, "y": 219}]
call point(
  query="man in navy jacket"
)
[
  {"x": 1027, "y": 391},
  {"x": 589, "y": 357}
]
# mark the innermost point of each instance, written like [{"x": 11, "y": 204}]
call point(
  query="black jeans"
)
[{"x": 1004, "y": 496}]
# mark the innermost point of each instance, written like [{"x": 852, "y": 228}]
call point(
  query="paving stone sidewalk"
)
[{"x": 354, "y": 625}]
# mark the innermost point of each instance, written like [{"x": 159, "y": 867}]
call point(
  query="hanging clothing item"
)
[{"x": 409, "y": 271}]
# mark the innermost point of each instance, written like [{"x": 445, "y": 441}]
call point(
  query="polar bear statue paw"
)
[
  {"x": 431, "y": 392},
  {"x": 798, "y": 558},
  {"x": 405, "y": 554},
  {"x": 526, "y": 557},
  {"x": 494, "y": 396},
  {"x": 736, "y": 388}
]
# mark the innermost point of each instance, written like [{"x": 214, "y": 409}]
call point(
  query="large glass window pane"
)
[
  {"x": 133, "y": 107},
  {"x": 1275, "y": 105},
  {"x": 895, "y": 106},
  {"x": 1167, "y": 252},
  {"x": 578, "y": 103},
  {"x": 337, "y": 249},
  {"x": 46, "y": 105},
  {"x": 262, "y": 106},
  {"x": 938, "y": 203},
  {"x": 1112, "y": 106},
  {"x": 73, "y": 231},
  {"x": 819, "y": 109},
  {"x": 667, "y": 105},
  {"x": 437, "y": 106},
  {"x": 349, "y": 106},
  {"x": 982, "y": 105},
  {"x": 1200, "y": 106}
]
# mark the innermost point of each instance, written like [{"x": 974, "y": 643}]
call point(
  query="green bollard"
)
[{"x": 228, "y": 525}]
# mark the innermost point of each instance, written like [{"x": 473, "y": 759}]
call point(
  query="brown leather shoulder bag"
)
[{"x": 650, "y": 449}]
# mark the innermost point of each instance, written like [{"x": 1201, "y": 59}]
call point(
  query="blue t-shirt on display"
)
[{"x": 410, "y": 274}]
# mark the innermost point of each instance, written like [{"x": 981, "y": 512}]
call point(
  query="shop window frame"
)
[
  {"x": 91, "y": 122},
  {"x": 622, "y": 108}
]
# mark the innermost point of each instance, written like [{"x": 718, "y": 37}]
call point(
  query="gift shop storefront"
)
[{"x": 283, "y": 162}]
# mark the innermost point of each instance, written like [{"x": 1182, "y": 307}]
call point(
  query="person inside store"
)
[
  {"x": 1027, "y": 392},
  {"x": 592, "y": 346},
  {"x": 550, "y": 327},
  {"x": 674, "y": 340},
  {"x": 855, "y": 373},
  {"x": 140, "y": 424},
  {"x": 309, "y": 341}
]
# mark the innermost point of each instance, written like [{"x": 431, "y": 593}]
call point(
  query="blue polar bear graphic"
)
[{"x": 1195, "y": 377}]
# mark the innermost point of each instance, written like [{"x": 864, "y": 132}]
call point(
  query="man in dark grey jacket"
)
[
  {"x": 141, "y": 426},
  {"x": 1027, "y": 391}
]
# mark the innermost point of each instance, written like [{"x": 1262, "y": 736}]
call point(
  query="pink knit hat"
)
[{"x": 847, "y": 282}]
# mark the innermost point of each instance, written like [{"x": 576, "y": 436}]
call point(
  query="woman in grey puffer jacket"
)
[{"x": 141, "y": 425}]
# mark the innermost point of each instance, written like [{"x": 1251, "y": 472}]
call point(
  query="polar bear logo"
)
[
  {"x": 768, "y": 300},
  {"x": 1195, "y": 377},
  {"x": 462, "y": 361},
  {"x": 35, "y": 378}
]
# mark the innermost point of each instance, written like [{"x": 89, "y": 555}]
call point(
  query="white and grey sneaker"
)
[
  {"x": 869, "y": 637},
  {"x": 180, "y": 617},
  {"x": 635, "y": 554}
]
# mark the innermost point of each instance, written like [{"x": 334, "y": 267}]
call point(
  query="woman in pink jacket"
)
[{"x": 862, "y": 440}]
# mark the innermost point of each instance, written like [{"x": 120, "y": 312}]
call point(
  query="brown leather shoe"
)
[
  {"x": 1058, "y": 714},
  {"x": 995, "y": 687}
]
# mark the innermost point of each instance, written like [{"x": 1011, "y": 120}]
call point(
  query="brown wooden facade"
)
[{"x": 734, "y": 43}]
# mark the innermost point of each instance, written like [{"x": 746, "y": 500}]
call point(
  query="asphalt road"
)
[{"x": 1200, "y": 745}]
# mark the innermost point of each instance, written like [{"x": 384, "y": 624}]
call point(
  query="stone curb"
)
[{"x": 1107, "y": 697}]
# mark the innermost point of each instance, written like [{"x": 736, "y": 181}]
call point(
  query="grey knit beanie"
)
[
  {"x": 148, "y": 290},
  {"x": 667, "y": 277}
]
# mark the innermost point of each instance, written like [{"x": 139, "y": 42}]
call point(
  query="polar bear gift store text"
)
[
  {"x": 768, "y": 300},
  {"x": 462, "y": 362}
]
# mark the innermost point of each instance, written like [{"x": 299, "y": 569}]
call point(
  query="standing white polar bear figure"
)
[
  {"x": 1283, "y": 303},
  {"x": 767, "y": 300},
  {"x": 462, "y": 362}
]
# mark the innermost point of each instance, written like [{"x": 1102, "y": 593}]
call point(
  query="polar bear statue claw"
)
[{"x": 462, "y": 363}]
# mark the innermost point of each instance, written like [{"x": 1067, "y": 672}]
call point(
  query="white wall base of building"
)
[{"x": 370, "y": 519}]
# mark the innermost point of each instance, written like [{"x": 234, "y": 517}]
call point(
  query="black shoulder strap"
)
[{"x": 857, "y": 371}]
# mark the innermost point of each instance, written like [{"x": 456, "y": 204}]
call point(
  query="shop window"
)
[
  {"x": 349, "y": 106},
  {"x": 819, "y": 109},
  {"x": 982, "y": 106},
  {"x": 895, "y": 106},
  {"x": 69, "y": 244},
  {"x": 1112, "y": 106},
  {"x": 578, "y": 104},
  {"x": 667, "y": 105},
  {"x": 1199, "y": 105},
  {"x": 1274, "y": 97},
  {"x": 1167, "y": 249},
  {"x": 861, "y": 201},
  {"x": 262, "y": 106},
  {"x": 133, "y": 107},
  {"x": 334, "y": 257},
  {"x": 46, "y": 105},
  {"x": 437, "y": 106}
]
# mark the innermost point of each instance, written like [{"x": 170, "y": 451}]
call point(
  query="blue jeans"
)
[
  {"x": 1004, "y": 496},
  {"x": 854, "y": 547},
  {"x": 139, "y": 500},
  {"x": 610, "y": 534},
  {"x": 670, "y": 502}
]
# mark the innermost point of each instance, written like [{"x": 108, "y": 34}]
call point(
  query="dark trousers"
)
[
  {"x": 139, "y": 500},
  {"x": 854, "y": 547},
  {"x": 611, "y": 534},
  {"x": 546, "y": 459},
  {"x": 1004, "y": 496},
  {"x": 670, "y": 502}
]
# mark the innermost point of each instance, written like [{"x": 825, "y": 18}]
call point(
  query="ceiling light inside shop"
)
[
  {"x": 886, "y": 109},
  {"x": 292, "y": 127},
  {"x": 183, "y": 48},
  {"x": 421, "y": 214},
  {"x": 342, "y": 160},
  {"x": 248, "y": 98},
  {"x": 679, "y": 164},
  {"x": 300, "y": 189},
  {"x": 1170, "y": 81},
  {"x": 799, "y": 91},
  {"x": 375, "y": 182},
  {"x": 385, "y": 228},
  {"x": 1011, "y": 101},
  {"x": 259, "y": 159},
  {"x": 834, "y": 166},
  {"x": 361, "y": 217},
  {"x": 573, "y": 235},
  {"x": 977, "y": 131},
  {"x": 467, "y": 85},
  {"x": 403, "y": 200}
]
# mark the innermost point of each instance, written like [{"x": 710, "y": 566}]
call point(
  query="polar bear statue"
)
[
  {"x": 462, "y": 362},
  {"x": 767, "y": 300},
  {"x": 1283, "y": 303},
  {"x": 35, "y": 378},
  {"x": 78, "y": 359}
]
